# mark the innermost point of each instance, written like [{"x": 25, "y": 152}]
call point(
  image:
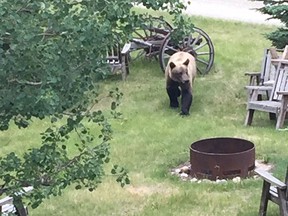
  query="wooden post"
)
[{"x": 264, "y": 199}]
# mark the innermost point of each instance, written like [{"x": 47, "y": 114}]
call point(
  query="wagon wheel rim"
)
[
  {"x": 198, "y": 43},
  {"x": 144, "y": 33}
]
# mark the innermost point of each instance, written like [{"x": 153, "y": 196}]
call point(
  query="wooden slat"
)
[
  {"x": 281, "y": 85},
  {"x": 252, "y": 73},
  {"x": 285, "y": 53},
  {"x": 265, "y": 103},
  {"x": 267, "y": 68},
  {"x": 265, "y": 106},
  {"x": 286, "y": 178},
  {"x": 8, "y": 209},
  {"x": 259, "y": 88},
  {"x": 273, "y": 191}
]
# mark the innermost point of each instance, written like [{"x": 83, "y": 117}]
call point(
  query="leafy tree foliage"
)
[
  {"x": 51, "y": 58},
  {"x": 277, "y": 10}
]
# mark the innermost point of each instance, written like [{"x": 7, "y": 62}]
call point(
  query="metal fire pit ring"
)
[{"x": 222, "y": 158}]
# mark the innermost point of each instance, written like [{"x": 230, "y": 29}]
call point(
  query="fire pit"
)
[{"x": 222, "y": 158}]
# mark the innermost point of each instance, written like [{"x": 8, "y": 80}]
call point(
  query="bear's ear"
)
[
  {"x": 172, "y": 65},
  {"x": 186, "y": 62}
]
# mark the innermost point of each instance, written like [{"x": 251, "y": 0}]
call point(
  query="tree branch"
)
[
  {"x": 47, "y": 34},
  {"x": 25, "y": 82},
  {"x": 73, "y": 160}
]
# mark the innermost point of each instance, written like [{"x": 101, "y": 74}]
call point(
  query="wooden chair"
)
[
  {"x": 273, "y": 190},
  {"x": 7, "y": 207},
  {"x": 266, "y": 76},
  {"x": 278, "y": 100},
  {"x": 117, "y": 59},
  {"x": 267, "y": 73}
]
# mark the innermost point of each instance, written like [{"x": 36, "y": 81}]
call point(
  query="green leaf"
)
[
  {"x": 127, "y": 180},
  {"x": 78, "y": 187},
  {"x": 113, "y": 171},
  {"x": 113, "y": 105},
  {"x": 54, "y": 119}
]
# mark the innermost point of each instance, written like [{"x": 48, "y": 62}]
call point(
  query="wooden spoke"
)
[
  {"x": 199, "y": 47},
  {"x": 202, "y": 61}
]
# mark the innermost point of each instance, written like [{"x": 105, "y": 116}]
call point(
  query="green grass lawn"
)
[{"x": 153, "y": 138}]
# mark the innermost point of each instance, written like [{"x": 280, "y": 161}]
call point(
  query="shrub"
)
[{"x": 277, "y": 10}]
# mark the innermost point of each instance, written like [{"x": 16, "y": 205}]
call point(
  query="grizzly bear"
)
[{"x": 180, "y": 74}]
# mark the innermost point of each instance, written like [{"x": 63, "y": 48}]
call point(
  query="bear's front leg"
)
[
  {"x": 173, "y": 92},
  {"x": 186, "y": 100}
]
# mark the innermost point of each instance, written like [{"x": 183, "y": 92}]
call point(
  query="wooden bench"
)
[
  {"x": 278, "y": 100},
  {"x": 273, "y": 190},
  {"x": 7, "y": 206},
  {"x": 117, "y": 58}
]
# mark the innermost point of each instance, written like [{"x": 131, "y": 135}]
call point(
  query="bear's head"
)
[{"x": 179, "y": 71}]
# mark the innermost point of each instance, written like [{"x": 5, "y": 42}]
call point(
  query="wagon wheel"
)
[
  {"x": 198, "y": 43},
  {"x": 153, "y": 30}
]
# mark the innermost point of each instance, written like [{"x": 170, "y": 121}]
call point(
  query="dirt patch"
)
[
  {"x": 184, "y": 169},
  {"x": 263, "y": 166}
]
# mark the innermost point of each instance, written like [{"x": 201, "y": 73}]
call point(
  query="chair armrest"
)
[
  {"x": 283, "y": 61},
  {"x": 270, "y": 178},
  {"x": 269, "y": 83},
  {"x": 252, "y": 73},
  {"x": 285, "y": 93},
  {"x": 261, "y": 88}
]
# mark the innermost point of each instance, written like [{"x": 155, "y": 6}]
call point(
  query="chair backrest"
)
[
  {"x": 114, "y": 54},
  {"x": 270, "y": 62},
  {"x": 281, "y": 82},
  {"x": 265, "y": 67}
]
